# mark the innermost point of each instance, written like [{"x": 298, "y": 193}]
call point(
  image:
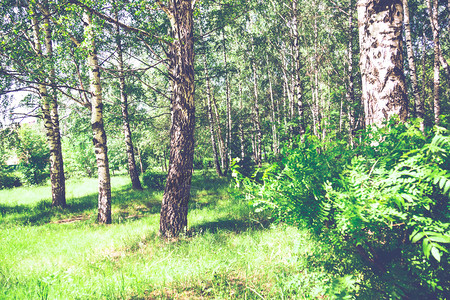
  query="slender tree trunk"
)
[
  {"x": 275, "y": 142},
  {"x": 50, "y": 111},
  {"x": 132, "y": 170},
  {"x": 140, "y": 159},
  {"x": 433, "y": 12},
  {"x": 258, "y": 151},
  {"x": 175, "y": 201},
  {"x": 298, "y": 89},
  {"x": 211, "y": 119},
  {"x": 350, "y": 93},
  {"x": 222, "y": 147},
  {"x": 99, "y": 139},
  {"x": 229, "y": 123},
  {"x": 241, "y": 129},
  {"x": 381, "y": 60},
  {"x": 411, "y": 63}
]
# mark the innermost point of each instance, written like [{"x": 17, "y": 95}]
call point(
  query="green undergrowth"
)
[{"x": 228, "y": 252}]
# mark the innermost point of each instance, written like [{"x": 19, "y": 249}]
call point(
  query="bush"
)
[
  {"x": 8, "y": 181},
  {"x": 386, "y": 201},
  {"x": 154, "y": 180}
]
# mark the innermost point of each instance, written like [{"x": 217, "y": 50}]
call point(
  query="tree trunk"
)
[
  {"x": 132, "y": 170},
  {"x": 229, "y": 123},
  {"x": 350, "y": 93},
  {"x": 275, "y": 142},
  {"x": 241, "y": 129},
  {"x": 257, "y": 117},
  {"x": 175, "y": 201},
  {"x": 222, "y": 147},
  {"x": 50, "y": 112},
  {"x": 298, "y": 89},
  {"x": 99, "y": 139},
  {"x": 211, "y": 120},
  {"x": 381, "y": 60},
  {"x": 411, "y": 63},
  {"x": 433, "y": 13}
]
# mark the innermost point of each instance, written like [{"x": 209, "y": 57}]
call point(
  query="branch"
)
[{"x": 116, "y": 22}]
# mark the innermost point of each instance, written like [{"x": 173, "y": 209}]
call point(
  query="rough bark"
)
[
  {"x": 174, "y": 207},
  {"x": 411, "y": 63},
  {"x": 381, "y": 60},
  {"x": 98, "y": 130},
  {"x": 132, "y": 170},
  {"x": 211, "y": 119},
  {"x": 49, "y": 107}
]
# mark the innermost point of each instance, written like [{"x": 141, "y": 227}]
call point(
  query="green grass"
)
[{"x": 229, "y": 252}]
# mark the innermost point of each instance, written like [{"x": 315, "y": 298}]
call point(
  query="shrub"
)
[
  {"x": 386, "y": 201},
  {"x": 8, "y": 181},
  {"x": 154, "y": 180}
]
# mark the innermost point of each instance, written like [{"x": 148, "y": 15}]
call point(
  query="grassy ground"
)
[{"x": 228, "y": 252}]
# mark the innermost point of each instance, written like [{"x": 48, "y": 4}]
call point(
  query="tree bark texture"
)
[
  {"x": 381, "y": 60},
  {"x": 174, "y": 209},
  {"x": 132, "y": 170},
  {"x": 298, "y": 89},
  {"x": 229, "y": 122},
  {"x": 49, "y": 107},
  {"x": 257, "y": 148},
  {"x": 98, "y": 130},
  {"x": 350, "y": 93}
]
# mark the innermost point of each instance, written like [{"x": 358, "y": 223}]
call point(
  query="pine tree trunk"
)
[
  {"x": 411, "y": 63},
  {"x": 50, "y": 112},
  {"x": 211, "y": 120},
  {"x": 175, "y": 201},
  {"x": 132, "y": 170},
  {"x": 381, "y": 60},
  {"x": 98, "y": 130}
]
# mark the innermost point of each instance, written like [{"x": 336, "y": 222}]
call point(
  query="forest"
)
[{"x": 220, "y": 149}]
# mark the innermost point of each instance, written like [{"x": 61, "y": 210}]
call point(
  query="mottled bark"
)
[
  {"x": 49, "y": 107},
  {"x": 241, "y": 128},
  {"x": 175, "y": 201},
  {"x": 211, "y": 119},
  {"x": 98, "y": 130},
  {"x": 411, "y": 63},
  {"x": 381, "y": 60},
  {"x": 222, "y": 146},
  {"x": 298, "y": 89},
  {"x": 132, "y": 170}
]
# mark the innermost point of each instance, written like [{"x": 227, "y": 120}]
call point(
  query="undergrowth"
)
[{"x": 385, "y": 202}]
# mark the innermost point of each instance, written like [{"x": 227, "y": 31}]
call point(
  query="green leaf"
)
[
  {"x": 436, "y": 254},
  {"x": 440, "y": 238},
  {"x": 416, "y": 237}
]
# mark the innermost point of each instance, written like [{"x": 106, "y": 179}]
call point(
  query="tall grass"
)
[{"x": 228, "y": 252}]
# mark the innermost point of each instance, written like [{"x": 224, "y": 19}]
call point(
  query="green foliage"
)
[
  {"x": 33, "y": 152},
  {"x": 9, "y": 180},
  {"x": 386, "y": 200},
  {"x": 154, "y": 180}
]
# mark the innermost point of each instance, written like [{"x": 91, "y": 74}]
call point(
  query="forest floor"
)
[{"x": 229, "y": 252}]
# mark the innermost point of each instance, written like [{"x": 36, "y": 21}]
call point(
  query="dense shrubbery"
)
[
  {"x": 154, "y": 180},
  {"x": 387, "y": 200},
  {"x": 9, "y": 180}
]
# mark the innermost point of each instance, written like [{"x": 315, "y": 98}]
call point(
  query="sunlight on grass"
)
[{"x": 228, "y": 253}]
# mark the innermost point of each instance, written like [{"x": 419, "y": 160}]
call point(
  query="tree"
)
[
  {"x": 381, "y": 60},
  {"x": 174, "y": 207}
]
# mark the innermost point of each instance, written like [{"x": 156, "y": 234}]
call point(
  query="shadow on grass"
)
[{"x": 233, "y": 225}]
